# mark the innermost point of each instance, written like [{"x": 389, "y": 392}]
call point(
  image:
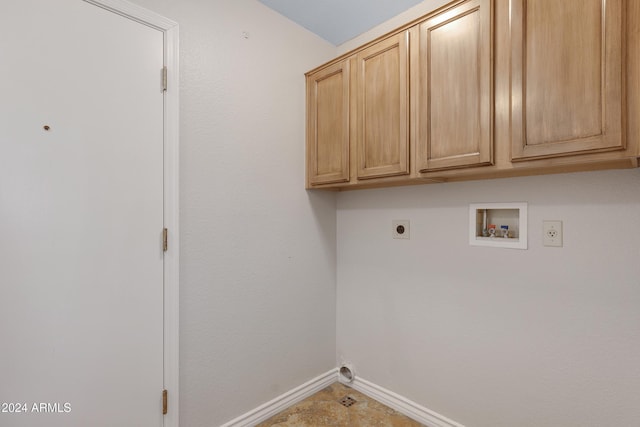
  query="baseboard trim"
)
[
  {"x": 401, "y": 404},
  {"x": 393, "y": 400},
  {"x": 282, "y": 402}
]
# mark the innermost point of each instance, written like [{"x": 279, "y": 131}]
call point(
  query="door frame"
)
[{"x": 171, "y": 262}]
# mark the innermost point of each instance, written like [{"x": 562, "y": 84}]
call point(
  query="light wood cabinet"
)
[
  {"x": 566, "y": 77},
  {"x": 328, "y": 125},
  {"x": 382, "y": 96},
  {"x": 455, "y": 90},
  {"x": 481, "y": 89}
]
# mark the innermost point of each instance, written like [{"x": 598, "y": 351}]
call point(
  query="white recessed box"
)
[{"x": 508, "y": 218}]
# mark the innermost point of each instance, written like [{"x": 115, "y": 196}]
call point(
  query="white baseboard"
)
[
  {"x": 393, "y": 400},
  {"x": 401, "y": 404},
  {"x": 282, "y": 402}
]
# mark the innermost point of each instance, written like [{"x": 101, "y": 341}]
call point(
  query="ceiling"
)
[{"x": 338, "y": 21}]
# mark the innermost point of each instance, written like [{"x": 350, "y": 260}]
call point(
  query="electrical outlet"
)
[
  {"x": 400, "y": 229},
  {"x": 552, "y": 233}
]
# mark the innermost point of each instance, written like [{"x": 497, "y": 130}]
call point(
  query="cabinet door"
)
[
  {"x": 328, "y": 125},
  {"x": 455, "y": 91},
  {"x": 566, "y": 77},
  {"x": 383, "y": 108}
]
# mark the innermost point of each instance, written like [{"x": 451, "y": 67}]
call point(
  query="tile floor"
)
[{"x": 324, "y": 409}]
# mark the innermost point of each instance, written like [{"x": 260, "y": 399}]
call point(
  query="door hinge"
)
[
  {"x": 164, "y": 78},
  {"x": 164, "y": 402},
  {"x": 165, "y": 239}
]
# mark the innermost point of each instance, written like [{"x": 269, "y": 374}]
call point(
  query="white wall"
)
[
  {"x": 485, "y": 336},
  {"x": 397, "y": 21},
  {"x": 497, "y": 337},
  {"x": 257, "y": 307}
]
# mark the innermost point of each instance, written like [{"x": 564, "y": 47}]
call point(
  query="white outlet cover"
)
[
  {"x": 552, "y": 233},
  {"x": 400, "y": 229}
]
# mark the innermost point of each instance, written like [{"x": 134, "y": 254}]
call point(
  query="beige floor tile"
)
[{"x": 324, "y": 409}]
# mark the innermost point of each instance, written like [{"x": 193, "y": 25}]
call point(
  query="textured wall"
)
[
  {"x": 257, "y": 307},
  {"x": 397, "y": 21},
  {"x": 488, "y": 337},
  {"x": 495, "y": 337}
]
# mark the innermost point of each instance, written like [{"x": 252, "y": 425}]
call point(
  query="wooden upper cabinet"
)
[
  {"x": 455, "y": 88},
  {"x": 480, "y": 89},
  {"x": 567, "y": 79},
  {"x": 328, "y": 125},
  {"x": 382, "y": 96}
]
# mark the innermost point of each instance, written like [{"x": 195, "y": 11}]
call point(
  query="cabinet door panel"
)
[
  {"x": 328, "y": 125},
  {"x": 382, "y": 109},
  {"x": 455, "y": 107},
  {"x": 566, "y": 76}
]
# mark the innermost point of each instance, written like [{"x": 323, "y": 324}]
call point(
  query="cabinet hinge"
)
[
  {"x": 164, "y": 402},
  {"x": 164, "y": 78},
  {"x": 165, "y": 239}
]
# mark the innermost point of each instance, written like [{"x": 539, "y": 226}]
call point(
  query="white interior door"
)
[{"x": 81, "y": 217}]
